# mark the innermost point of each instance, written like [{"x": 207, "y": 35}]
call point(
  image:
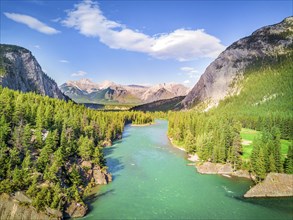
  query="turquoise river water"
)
[{"x": 151, "y": 180}]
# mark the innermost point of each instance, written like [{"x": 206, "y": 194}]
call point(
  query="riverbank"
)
[
  {"x": 225, "y": 169},
  {"x": 191, "y": 157},
  {"x": 146, "y": 165},
  {"x": 274, "y": 185}
]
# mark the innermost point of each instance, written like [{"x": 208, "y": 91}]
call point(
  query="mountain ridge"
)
[
  {"x": 84, "y": 90},
  {"x": 220, "y": 77}
]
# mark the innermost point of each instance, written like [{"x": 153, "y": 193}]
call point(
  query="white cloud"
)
[
  {"x": 190, "y": 71},
  {"x": 56, "y": 19},
  {"x": 32, "y": 23},
  {"x": 37, "y": 46},
  {"x": 186, "y": 81},
  {"x": 181, "y": 44},
  {"x": 63, "y": 61},
  {"x": 79, "y": 73}
]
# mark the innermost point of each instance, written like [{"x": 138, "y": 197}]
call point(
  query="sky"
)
[{"x": 132, "y": 42}]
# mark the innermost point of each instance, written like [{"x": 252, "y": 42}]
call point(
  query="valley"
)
[{"x": 175, "y": 190}]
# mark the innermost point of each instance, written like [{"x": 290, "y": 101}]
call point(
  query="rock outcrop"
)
[
  {"x": 95, "y": 173},
  {"x": 274, "y": 185},
  {"x": 18, "y": 205},
  {"x": 11, "y": 209},
  {"x": 223, "y": 169},
  {"x": 20, "y": 71},
  {"x": 75, "y": 210},
  {"x": 214, "y": 168},
  {"x": 221, "y": 76}
]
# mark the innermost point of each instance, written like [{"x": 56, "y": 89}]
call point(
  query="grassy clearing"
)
[{"x": 248, "y": 135}]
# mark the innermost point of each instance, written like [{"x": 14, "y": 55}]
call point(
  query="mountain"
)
[
  {"x": 160, "y": 105},
  {"x": 86, "y": 91},
  {"x": 19, "y": 70},
  {"x": 221, "y": 76}
]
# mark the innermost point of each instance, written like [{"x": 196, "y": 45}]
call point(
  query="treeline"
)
[
  {"x": 266, "y": 154},
  {"x": 264, "y": 103},
  {"x": 215, "y": 139},
  {"x": 43, "y": 142}
]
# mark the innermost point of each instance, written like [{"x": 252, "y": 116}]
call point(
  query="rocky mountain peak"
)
[
  {"x": 86, "y": 90},
  {"x": 21, "y": 71},
  {"x": 217, "y": 81},
  {"x": 82, "y": 84},
  {"x": 106, "y": 84}
]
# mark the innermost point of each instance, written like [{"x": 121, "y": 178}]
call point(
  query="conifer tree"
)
[
  {"x": 260, "y": 168},
  {"x": 288, "y": 165}
]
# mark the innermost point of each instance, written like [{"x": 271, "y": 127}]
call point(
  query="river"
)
[{"x": 151, "y": 180}]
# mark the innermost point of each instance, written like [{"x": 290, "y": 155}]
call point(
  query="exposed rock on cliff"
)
[
  {"x": 95, "y": 172},
  {"x": 12, "y": 209},
  {"x": 274, "y": 185},
  {"x": 221, "y": 76},
  {"x": 75, "y": 210},
  {"x": 19, "y": 70}
]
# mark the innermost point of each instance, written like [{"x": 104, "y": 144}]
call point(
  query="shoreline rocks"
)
[
  {"x": 222, "y": 169},
  {"x": 274, "y": 185},
  {"x": 75, "y": 210}
]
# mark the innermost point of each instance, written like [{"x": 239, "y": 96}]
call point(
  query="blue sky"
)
[{"x": 132, "y": 42}]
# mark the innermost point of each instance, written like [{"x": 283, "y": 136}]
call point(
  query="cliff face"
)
[
  {"x": 21, "y": 71},
  {"x": 12, "y": 208},
  {"x": 217, "y": 81}
]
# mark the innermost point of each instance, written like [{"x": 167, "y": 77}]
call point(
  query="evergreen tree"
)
[
  {"x": 4, "y": 129},
  {"x": 272, "y": 164},
  {"x": 260, "y": 168},
  {"x": 85, "y": 147},
  {"x": 288, "y": 165}
]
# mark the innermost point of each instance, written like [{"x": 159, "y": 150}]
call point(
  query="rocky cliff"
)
[
  {"x": 19, "y": 70},
  {"x": 220, "y": 77},
  {"x": 18, "y": 207}
]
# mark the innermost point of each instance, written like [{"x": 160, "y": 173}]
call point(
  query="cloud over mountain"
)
[{"x": 181, "y": 44}]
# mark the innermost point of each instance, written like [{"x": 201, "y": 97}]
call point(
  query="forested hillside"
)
[
  {"x": 264, "y": 103},
  {"x": 52, "y": 150}
]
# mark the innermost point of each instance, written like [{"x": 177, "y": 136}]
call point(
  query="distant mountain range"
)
[{"x": 86, "y": 91}]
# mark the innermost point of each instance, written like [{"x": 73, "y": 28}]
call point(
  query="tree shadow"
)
[
  {"x": 92, "y": 198},
  {"x": 114, "y": 166},
  {"x": 279, "y": 203},
  {"x": 108, "y": 151}
]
